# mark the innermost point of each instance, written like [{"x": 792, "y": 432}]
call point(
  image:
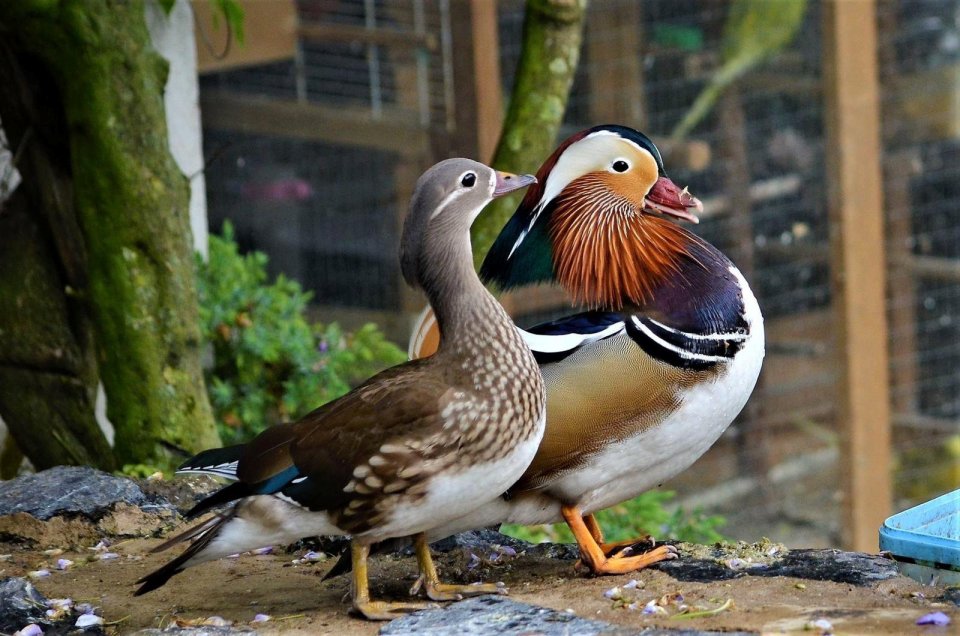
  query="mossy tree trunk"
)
[
  {"x": 48, "y": 370},
  {"x": 552, "y": 33},
  {"x": 131, "y": 210}
]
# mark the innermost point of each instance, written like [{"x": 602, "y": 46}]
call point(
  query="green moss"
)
[{"x": 552, "y": 30}]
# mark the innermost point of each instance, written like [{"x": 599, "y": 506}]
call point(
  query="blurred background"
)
[{"x": 315, "y": 130}]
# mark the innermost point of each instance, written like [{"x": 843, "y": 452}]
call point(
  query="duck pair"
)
[{"x": 636, "y": 388}]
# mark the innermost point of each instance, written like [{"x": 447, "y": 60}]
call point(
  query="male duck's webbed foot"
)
[
  {"x": 611, "y": 548},
  {"x": 609, "y": 558},
  {"x": 430, "y": 581},
  {"x": 374, "y": 610}
]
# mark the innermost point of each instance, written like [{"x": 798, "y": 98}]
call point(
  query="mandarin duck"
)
[
  {"x": 645, "y": 381},
  {"x": 413, "y": 447}
]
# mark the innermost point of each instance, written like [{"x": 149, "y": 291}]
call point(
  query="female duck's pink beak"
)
[{"x": 508, "y": 182}]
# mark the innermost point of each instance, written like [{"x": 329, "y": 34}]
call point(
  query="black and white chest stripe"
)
[{"x": 682, "y": 349}]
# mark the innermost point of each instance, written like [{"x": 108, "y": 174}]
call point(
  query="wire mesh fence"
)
[{"x": 323, "y": 195}]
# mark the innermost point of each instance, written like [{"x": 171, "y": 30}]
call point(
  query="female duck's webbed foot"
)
[
  {"x": 438, "y": 591},
  {"x": 374, "y": 610},
  {"x": 609, "y": 558}
]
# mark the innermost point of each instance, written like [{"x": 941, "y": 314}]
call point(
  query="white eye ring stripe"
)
[{"x": 445, "y": 202}]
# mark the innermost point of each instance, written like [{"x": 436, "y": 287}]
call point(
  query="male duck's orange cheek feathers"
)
[{"x": 608, "y": 258}]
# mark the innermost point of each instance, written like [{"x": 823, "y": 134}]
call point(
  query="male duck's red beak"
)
[
  {"x": 666, "y": 198},
  {"x": 508, "y": 182}
]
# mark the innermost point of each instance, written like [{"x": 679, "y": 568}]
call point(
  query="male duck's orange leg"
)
[
  {"x": 614, "y": 546},
  {"x": 593, "y": 555}
]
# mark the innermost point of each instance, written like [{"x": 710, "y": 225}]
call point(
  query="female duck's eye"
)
[
  {"x": 620, "y": 165},
  {"x": 468, "y": 180}
]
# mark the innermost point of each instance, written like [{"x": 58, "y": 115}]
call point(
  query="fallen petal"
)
[
  {"x": 261, "y": 618},
  {"x": 934, "y": 618},
  {"x": 217, "y": 621},
  {"x": 106, "y": 556},
  {"x": 30, "y": 630},
  {"x": 88, "y": 620},
  {"x": 63, "y": 564},
  {"x": 38, "y": 574},
  {"x": 265, "y": 550}
]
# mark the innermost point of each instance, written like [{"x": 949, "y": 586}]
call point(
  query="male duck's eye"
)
[
  {"x": 620, "y": 165},
  {"x": 468, "y": 180}
]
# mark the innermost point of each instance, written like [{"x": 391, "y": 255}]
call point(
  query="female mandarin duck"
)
[
  {"x": 645, "y": 382},
  {"x": 414, "y": 447}
]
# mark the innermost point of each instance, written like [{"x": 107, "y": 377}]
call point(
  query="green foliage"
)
[
  {"x": 232, "y": 13},
  {"x": 755, "y": 30},
  {"x": 142, "y": 471},
  {"x": 646, "y": 514},
  {"x": 270, "y": 364}
]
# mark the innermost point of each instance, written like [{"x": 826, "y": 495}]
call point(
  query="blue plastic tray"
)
[{"x": 929, "y": 532}]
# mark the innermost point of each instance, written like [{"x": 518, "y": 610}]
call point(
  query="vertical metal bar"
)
[
  {"x": 373, "y": 60},
  {"x": 300, "y": 72},
  {"x": 446, "y": 52},
  {"x": 423, "y": 68},
  {"x": 858, "y": 267},
  {"x": 299, "y": 66}
]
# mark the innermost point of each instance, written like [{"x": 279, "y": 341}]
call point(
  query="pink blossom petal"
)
[{"x": 934, "y": 618}]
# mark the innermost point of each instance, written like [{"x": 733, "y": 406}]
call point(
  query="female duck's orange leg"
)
[{"x": 593, "y": 555}]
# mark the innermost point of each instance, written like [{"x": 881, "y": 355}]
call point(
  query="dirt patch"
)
[{"x": 293, "y": 595}]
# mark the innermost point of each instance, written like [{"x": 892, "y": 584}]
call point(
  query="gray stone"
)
[
  {"x": 68, "y": 490},
  {"x": 482, "y": 539},
  {"x": 499, "y": 616},
  {"x": 20, "y": 605},
  {"x": 193, "y": 631},
  {"x": 854, "y": 568}
]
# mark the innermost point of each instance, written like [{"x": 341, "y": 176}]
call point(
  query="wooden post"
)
[
  {"x": 858, "y": 267},
  {"x": 615, "y": 61},
  {"x": 476, "y": 78}
]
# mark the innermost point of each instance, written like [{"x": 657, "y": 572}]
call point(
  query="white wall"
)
[{"x": 173, "y": 38}]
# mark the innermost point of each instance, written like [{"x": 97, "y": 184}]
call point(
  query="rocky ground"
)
[{"x": 77, "y": 534}]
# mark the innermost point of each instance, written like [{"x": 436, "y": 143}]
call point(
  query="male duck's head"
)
[{"x": 595, "y": 222}]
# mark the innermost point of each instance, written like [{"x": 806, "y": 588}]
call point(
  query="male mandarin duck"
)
[
  {"x": 643, "y": 383},
  {"x": 415, "y": 446}
]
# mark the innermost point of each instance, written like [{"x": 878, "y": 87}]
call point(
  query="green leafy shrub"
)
[
  {"x": 646, "y": 514},
  {"x": 270, "y": 364}
]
